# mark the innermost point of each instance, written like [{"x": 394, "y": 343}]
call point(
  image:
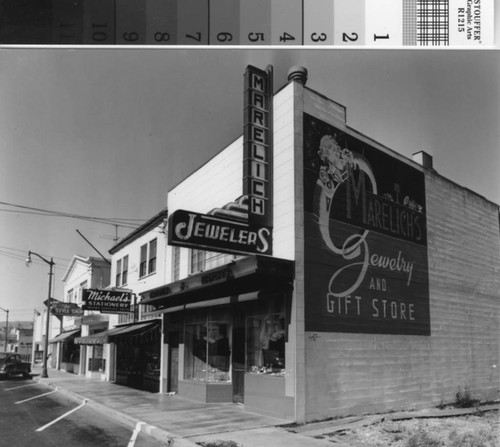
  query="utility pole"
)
[
  {"x": 6, "y": 326},
  {"x": 51, "y": 264},
  {"x": 36, "y": 314}
]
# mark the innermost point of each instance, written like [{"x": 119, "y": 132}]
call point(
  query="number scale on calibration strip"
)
[{"x": 365, "y": 23}]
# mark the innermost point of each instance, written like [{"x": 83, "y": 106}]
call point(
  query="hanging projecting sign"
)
[
  {"x": 253, "y": 233},
  {"x": 195, "y": 230},
  {"x": 258, "y": 145},
  {"x": 61, "y": 309},
  {"x": 106, "y": 300},
  {"x": 365, "y": 237}
]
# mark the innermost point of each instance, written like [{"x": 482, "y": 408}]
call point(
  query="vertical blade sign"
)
[{"x": 257, "y": 146}]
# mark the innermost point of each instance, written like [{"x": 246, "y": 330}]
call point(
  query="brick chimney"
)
[{"x": 423, "y": 159}]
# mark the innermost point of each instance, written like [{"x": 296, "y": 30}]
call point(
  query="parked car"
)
[{"x": 12, "y": 364}]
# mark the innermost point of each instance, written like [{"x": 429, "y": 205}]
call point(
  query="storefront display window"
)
[
  {"x": 207, "y": 357},
  {"x": 138, "y": 362},
  {"x": 266, "y": 344},
  {"x": 97, "y": 362},
  {"x": 70, "y": 352}
]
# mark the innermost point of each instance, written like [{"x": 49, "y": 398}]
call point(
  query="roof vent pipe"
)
[
  {"x": 298, "y": 73},
  {"x": 423, "y": 159}
]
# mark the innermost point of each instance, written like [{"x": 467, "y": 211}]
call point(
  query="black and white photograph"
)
[{"x": 248, "y": 246}]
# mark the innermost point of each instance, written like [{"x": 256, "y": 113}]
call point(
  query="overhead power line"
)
[
  {"x": 121, "y": 221},
  {"x": 23, "y": 253},
  {"x": 94, "y": 219},
  {"x": 23, "y": 259}
]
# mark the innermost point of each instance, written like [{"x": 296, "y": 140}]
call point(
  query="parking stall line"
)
[
  {"x": 35, "y": 397},
  {"x": 137, "y": 430},
  {"x": 21, "y": 386},
  {"x": 62, "y": 416}
]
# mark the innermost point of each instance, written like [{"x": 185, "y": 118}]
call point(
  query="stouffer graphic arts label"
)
[
  {"x": 366, "y": 239},
  {"x": 471, "y": 22}
]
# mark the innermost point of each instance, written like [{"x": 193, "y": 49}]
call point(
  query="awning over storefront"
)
[
  {"x": 65, "y": 336},
  {"x": 138, "y": 331},
  {"x": 253, "y": 273},
  {"x": 97, "y": 339},
  {"x": 115, "y": 334}
]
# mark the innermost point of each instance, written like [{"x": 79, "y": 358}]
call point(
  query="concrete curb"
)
[
  {"x": 445, "y": 413},
  {"x": 351, "y": 423},
  {"x": 123, "y": 418}
]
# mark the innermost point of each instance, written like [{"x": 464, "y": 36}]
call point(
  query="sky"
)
[{"x": 108, "y": 132}]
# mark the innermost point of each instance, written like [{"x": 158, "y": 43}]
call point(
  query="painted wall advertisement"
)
[{"x": 365, "y": 237}]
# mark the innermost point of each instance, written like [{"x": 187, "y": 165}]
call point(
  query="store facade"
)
[
  {"x": 81, "y": 273},
  {"x": 323, "y": 274},
  {"x": 228, "y": 323},
  {"x": 131, "y": 344},
  {"x": 132, "y": 353}
]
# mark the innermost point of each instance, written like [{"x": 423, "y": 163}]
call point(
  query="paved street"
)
[
  {"x": 112, "y": 412},
  {"x": 30, "y": 414},
  {"x": 175, "y": 419}
]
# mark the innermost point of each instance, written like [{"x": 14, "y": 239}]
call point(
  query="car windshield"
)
[{"x": 3, "y": 355}]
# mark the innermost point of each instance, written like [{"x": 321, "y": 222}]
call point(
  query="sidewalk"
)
[
  {"x": 177, "y": 421},
  {"x": 181, "y": 422}
]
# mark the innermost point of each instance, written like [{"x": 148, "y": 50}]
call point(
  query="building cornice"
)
[{"x": 139, "y": 231}]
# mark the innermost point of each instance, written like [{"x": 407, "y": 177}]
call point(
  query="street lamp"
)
[
  {"x": 33, "y": 345},
  {"x": 51, "y": 264},
  {"x": 6, "y": 325}
]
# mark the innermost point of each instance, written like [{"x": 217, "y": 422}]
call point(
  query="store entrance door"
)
[
  {"x": 238, "y": 358},
  {"x": 173, "y": 362}
]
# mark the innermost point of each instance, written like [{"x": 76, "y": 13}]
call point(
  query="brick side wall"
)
[
  {"x": 356, "y": 373},
  {"x": 464, "y": 282}
]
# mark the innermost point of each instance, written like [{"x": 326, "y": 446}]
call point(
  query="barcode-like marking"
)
[
  {"x": 410, "y": 22},
  {"x": 433, "y": 18}
]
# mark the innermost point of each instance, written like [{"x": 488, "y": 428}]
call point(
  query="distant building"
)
[
  {"x": 132, "y": 344},
  {"x": 24, "y": 337},
  {"x": 81, "y": 273}
]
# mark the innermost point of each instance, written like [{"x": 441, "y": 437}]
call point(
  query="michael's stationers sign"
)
[
  {"x": 190, "y": 229},
  {"x": 106, "y": 300}
]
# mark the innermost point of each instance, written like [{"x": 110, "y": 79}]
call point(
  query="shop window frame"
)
[
  {"x": 121, "y": 277},
  {"x": 207, "y": 361},
  {"x": 148, "y": 258},
  {"x": 176, "y": 263},
  {"x": 83, "y": 285},
  {"x": 196, "y": 261}
]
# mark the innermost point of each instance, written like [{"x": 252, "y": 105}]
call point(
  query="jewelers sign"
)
[
  {"x": 254, "y": 234},
  {"x": 188, "y": 229},
  {"x": 106, "y": 300},
  {"x": 366, "y": 240}
]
